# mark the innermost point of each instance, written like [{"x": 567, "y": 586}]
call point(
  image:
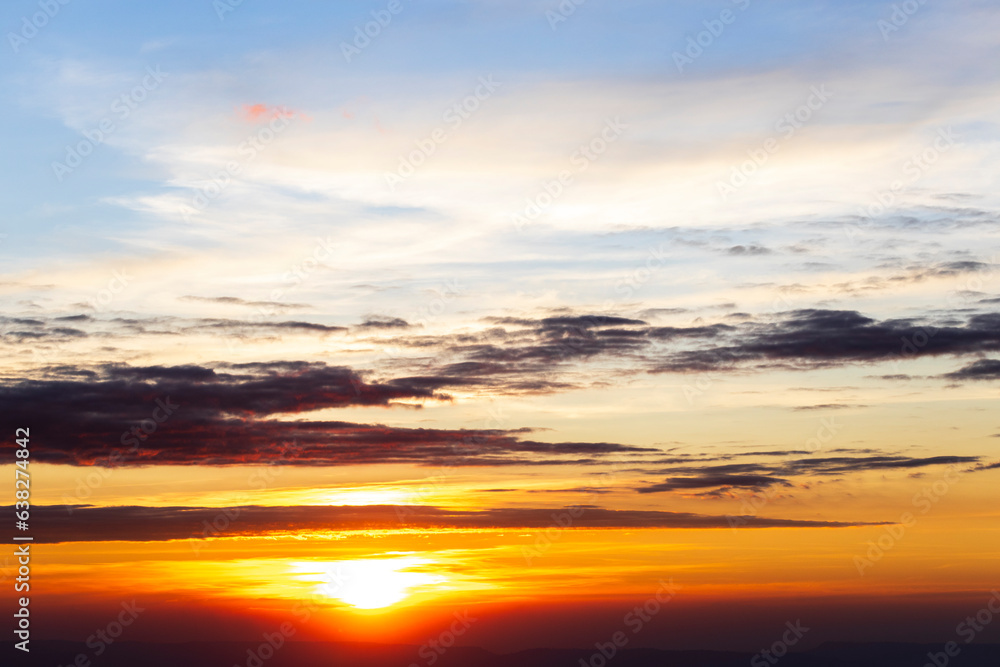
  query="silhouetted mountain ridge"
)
[{"x": 323, "y": 654}]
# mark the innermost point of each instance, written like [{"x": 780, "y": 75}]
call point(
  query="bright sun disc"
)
[{"x": 370, "y": 583}]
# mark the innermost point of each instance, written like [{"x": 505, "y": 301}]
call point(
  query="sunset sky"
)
[{"x": 506, "y": 308}]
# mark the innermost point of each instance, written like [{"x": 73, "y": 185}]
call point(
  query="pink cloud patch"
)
[{"x": 254, "y": 113}]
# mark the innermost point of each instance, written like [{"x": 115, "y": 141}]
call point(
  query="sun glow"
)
[
  {"x": 370, "y": 583},
  {"x": 366, "y": 496}
]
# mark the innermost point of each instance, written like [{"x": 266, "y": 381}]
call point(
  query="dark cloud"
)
[
  {"x": 656, "y": 312},
  {"x": 78, "y": 523},
  {"x": 751, "y": 250},
  {"x": 384, "y": 323},
  {"x": 26, "y": 329},
  {"x": 914, "y": 274},
  {"x": 763, "y": 475},
  {"x": 712, "y": 481},
  {"x": 781, "y": 452},
  {"x": 545, "y": 355},
  {"x": 821, "y": 338},
  {"x": 577, "y": 489},
  {"x": 530, "y": 354},
  {"x": 534, "y": 346},
  {"x": 236, "y": 301},
  {"x": 828, "y": 406},
  {"x": 842, "y": 464},
  {"x": 20, "y": 329},
  {"x": 570, "y": 322},
  {"x": 246, "y": 328},
  {"x": 984, "y": 369},
  {"x": 527, "y": 352},
  {"x": 308, "y": 326},
  {"x": 227, "y": 414}
]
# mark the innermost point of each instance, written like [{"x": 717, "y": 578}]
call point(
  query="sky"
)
[{"x": 361, "y": 315}]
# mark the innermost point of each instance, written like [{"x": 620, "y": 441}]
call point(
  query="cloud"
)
[
  {"x": 232, "y": 414},
  {"x": 236, "y": 301},
  {"x": 913, "y": 274},
  {"x": 752, "y": 250},
  {"x": 81, "y": 523},
  {"x": 656, "y": 312},
  {"x": 524, "y": 354},
  {"x": 384, "y": 323},
  {"x": 519, "y": 355},
  {"x": 18, "y": 330},
  {"x": 841, "y": 464},
  {"x": 712, "y": 481},
  {"x": 984, "y": 369},
  {"x": 262, "y": 112},
  {"x": 763, "y": 475},
  {"x": 812, "y": 338},
  {"x": 26, "y": 329},
  {"x": 827, "y": 406},
  {"x": 567, "y": 322}
]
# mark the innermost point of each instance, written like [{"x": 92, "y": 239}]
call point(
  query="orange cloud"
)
[{"x": 253, "y": 113}]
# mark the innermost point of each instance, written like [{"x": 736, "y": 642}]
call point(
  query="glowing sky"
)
[{"x": 505, "y": 309}]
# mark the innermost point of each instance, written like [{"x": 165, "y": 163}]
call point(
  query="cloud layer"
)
[{"x": 63, "y": 523}]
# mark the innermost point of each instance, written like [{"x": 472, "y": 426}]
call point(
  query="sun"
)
[{"x": 374, "y": 583}]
